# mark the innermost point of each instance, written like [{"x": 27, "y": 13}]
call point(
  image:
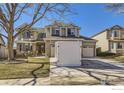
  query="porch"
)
[
  {"x": 31, "y": 48},
  {"x": 116, "y": 47},
  {"x": 118, "y": 51}
]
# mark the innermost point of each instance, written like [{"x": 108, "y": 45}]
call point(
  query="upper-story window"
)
[
  {"x": 116, "y": 33},
  {"x": 26, "y": 35},
  {"x": 71, "y": 32},
  {"x": 41, "y": 35},
  {"x": 119, "y": 45},
  {"x": 109, "y": 34},
  {"x": 55, "y": 31}
]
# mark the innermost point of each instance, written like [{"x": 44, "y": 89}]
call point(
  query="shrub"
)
[{"x": 102, "y": 54}]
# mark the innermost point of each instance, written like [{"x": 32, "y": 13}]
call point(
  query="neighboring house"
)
[
  {"x": 111, "y": 40},
  {"x": 3, "y": 52},
  {"x": 41, "y": 42}
]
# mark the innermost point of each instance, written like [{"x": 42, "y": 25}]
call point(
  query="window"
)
[
  {"x": 116, "y": 33},
  {"x": 109, "y": 34},
  {"x": 31, "y": 47},
  {"x": 55, "y": 31},
  {"x": 119, "y": 45},
  {"x": 20, "y": 47},
  {"x": 85, "y": 47},
  {"x": 26, "y": 47},
  {"x": 41, "y": 35},
  {"x": 71, "y": 32},
  {"x": 112, "y": 45},
  {"x": 27, "y": 35}
]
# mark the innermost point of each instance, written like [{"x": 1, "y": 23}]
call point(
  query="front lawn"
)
[
  {"x": 112, "y": 56},
  {"x": 23, "y": 70},
  {"x": 38, "y": 60},
  {"x": 119, "y": 58}
]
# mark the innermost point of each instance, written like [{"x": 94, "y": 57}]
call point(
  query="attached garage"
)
[
  {"x": 88, "y": 48},
  {"x": 88, "y": 51},
  {"x": 68, "y": 53},
  {"x": 88, "y": 45}
]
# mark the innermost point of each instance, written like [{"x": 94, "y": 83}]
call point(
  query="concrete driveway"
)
[{"x": 94, "y": 71}]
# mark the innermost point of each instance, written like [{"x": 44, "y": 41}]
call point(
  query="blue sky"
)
[{"x": 93, "y": 18}]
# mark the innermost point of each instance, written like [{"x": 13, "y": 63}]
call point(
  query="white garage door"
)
[
  {"x": 68, "y": 53},
  {"x": 88, "y": 51}
]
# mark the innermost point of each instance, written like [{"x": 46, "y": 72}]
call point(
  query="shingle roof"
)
[
  {"x": 85, "y": 38},
  {"x": 57, "y": 23}
]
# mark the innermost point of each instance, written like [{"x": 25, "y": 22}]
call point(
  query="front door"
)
[{"x": 41, "y": 49}]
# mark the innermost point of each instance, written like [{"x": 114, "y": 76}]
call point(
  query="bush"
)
[{"x": 103, "y": 54}]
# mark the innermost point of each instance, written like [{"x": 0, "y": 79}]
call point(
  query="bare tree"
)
[
  {"x": 11, "y": 13},
  {"x": 116, "y": 7}
]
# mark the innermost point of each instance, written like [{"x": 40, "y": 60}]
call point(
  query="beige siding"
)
[
  {"x": 102, "y": 41},
  {"x": 3, "y": 52},
  {"x": 47, "y": 48}
]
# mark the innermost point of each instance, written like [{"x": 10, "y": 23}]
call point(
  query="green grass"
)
[
  {"x": 119, "y": 58},
  {"x": 23, "y": 70},
  {"x": 38, "y": 60}
]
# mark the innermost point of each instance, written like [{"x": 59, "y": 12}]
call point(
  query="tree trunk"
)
[{"x": 10, "y": 47}]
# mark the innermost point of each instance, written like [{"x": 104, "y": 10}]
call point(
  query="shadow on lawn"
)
[
  {"x": 34, "y": 80},
  {"x": 103, "y": 81}
]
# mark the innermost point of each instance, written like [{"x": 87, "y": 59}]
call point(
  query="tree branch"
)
[
  {"x": 19, "y": 12},
  {"x": 4, "y": 36},
  {"x": 32, "y": 23},
  {"x": 3, "y": 27},
  {"x": 8, "y": 7}
]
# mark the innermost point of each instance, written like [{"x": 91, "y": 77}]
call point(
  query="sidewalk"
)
[{"x": 28, "y": 81}]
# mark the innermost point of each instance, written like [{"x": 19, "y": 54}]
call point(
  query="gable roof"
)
[
  {"x": 62, "y": 24},
  {"x": 85, "y": 38},
  {"x": 22, "y": 26},
  {"x": 115, "y": 27}
]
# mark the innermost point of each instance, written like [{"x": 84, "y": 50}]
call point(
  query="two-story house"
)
[
  {"x": 41, "y": 42},
  {"x": 111, "y": 40}
]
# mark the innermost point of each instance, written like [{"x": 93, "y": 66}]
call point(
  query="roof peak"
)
[{"x": 116, "y": 27}]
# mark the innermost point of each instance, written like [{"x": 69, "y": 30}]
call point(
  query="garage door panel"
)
[
  {"x": 68, "y": 53},
  {"x": 88, "y": 52}
]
